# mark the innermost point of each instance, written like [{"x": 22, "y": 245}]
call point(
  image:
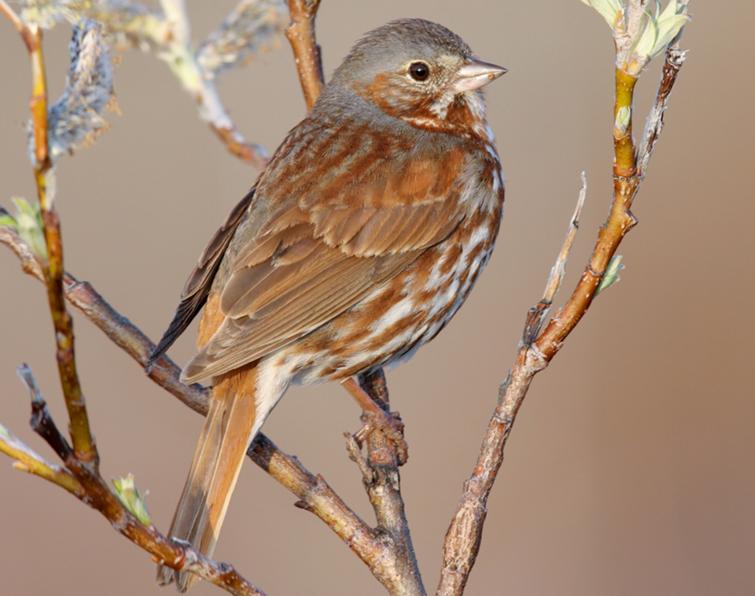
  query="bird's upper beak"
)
[{"x": 475, "y": 74}]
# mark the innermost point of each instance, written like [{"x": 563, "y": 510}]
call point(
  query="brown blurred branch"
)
[
  {"x": 168, "y": 36},
  {"x": 301, "y": 35},
  {"x": 539, "y": 346}
]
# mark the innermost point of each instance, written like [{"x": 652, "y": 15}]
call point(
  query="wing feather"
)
[{"x": 308, "y": 258}]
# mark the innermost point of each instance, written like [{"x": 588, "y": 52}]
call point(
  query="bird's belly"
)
[{"x": 398, "y": 317}]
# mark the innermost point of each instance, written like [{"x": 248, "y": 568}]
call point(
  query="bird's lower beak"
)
[{"x": 475, "y": 74}]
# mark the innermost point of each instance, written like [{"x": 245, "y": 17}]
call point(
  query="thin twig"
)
[
  {"x": 654, "y": 124},
  {"x": 462, "y": 541},
  {"x": 177, "y": 52},
  {"x": 538, "y": 313},
  {"x": 23, "y": 30},
  {"x": 83, "y": 441},
  {"x": 88, "y": 486},
  {"x": 26, "y": 460},
  {"x": 301, "y": 36}
]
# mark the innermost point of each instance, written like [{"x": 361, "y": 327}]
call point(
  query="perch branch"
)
[
  {"x": 538, "y": 346},
  {"x": 301, "y": 36},
  {"x": 382, "y": 481}
]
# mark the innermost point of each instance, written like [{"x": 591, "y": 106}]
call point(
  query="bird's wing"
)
[
  {"x": 197, "y": 287},
  {"x": 311, "y": 255}
]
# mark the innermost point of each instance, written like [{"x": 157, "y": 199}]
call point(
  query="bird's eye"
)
[{"x": 419, "y": 71}]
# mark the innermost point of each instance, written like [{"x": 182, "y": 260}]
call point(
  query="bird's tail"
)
[{"x": 228, "y": 430}]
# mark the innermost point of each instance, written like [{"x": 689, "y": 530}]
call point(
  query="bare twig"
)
[
  {"x": 463, "y": 537},
  {"x": 301, "y": 36},
  {"x": 654, "y": 124},
  {"x": 176, "y": 51},
  {"x": 537, "y": 313},
  {"x": 15, "y": 20},
  {"x": 538, "y": 349}
]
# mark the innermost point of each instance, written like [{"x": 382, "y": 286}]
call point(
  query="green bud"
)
[
  {"x": 611, "y": 275},
  {"x": 132, "y": 500}
]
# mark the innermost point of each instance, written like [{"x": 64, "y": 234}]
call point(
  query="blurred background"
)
[{"x": 630, "y": 470}]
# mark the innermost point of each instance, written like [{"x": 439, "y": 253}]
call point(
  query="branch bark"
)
[
  {"x": 81, "y": 476},
  {"x": 382, "y": 481},
  {"x": 301, "y": 36},
  {"x": 539, "y": 346},
  {"x": 85, "y": 483},
  {"x": 83, "y": 441}
]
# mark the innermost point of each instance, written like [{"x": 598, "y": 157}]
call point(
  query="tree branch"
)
[
  {"x": 538, "y": 347},
  {"x": 85, "y": 483},
  {"x": 312, "y": 490},
  {"x": 382, "y": 481},
  {"x": 81, "y": 476},
  {"x": 301, "y": 36},
  {"x": 83, "y": 442}
]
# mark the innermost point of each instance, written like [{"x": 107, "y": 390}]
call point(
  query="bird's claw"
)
[{"x": 390, "y": 425}]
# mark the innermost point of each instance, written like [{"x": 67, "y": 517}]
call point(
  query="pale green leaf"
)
[
  {"x": 29, "y": 226},
  {"x": 611, "y": 276},
  {"x": 610, "y": 10},
  {"x": 129, "y": 495},
  {"x": 7, "y": 220}
]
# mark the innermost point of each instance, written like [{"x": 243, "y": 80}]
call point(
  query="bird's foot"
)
[{"x": 391, "y": 440}]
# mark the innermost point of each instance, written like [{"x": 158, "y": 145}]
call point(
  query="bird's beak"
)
[{"x": 475, "y": 74}]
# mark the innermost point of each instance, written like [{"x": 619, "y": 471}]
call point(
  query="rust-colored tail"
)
[{"x": 217, "y": 461}]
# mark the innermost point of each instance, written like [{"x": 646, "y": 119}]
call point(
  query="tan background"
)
[{"x": 630, "y": 470}]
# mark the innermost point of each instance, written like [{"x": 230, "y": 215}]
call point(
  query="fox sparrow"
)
[{"x": 357, "y": 245}]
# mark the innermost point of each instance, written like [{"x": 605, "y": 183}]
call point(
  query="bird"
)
[{"x": 356, "y": 245}]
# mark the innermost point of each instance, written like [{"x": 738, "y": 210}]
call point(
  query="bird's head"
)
[{"x": 421, "y": 72}]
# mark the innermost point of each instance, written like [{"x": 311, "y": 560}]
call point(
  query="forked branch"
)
[{"x": 539, "y": 345}]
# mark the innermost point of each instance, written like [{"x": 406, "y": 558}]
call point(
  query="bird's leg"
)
[{"x": 377, "y": 417}]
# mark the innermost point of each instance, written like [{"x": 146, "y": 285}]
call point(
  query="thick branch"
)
[{"x": 301, "y": 36}]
